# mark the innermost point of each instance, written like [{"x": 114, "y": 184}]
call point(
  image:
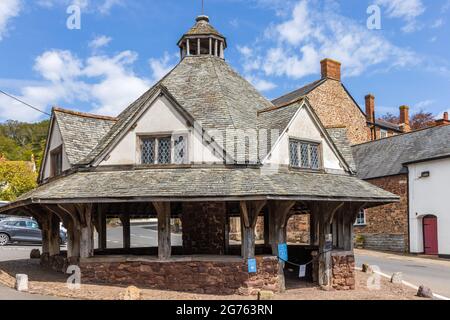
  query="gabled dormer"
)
[{"x": 72, "y": 136}]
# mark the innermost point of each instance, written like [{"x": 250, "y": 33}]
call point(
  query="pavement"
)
[{"x": 433, "y": 273}]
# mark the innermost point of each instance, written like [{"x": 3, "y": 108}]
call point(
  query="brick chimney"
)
[
  {"x": 370, "y": 108},
  {"x": 404, "y": 119},
  {"x": 331, "y": 69},
  {"x": 444, "y": 121}
]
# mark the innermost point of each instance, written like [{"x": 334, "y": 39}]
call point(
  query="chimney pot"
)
[
  {"x": 446, "y": 116},
  {"x": 331, "y": 69}
]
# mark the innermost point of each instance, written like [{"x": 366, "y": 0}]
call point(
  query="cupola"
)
[{"x": 202, "y": 40}]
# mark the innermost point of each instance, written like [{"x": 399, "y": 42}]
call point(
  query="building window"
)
[
  {"x": 361, "y": 218},
  {"x": 305, "y": 155},
  {"x": 383, "y": 133},
  {"x": 56, "y": 162},
  {"x": 164, "y": 150}
]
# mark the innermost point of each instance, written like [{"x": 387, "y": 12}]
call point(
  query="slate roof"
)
[
  {"x": 209, "y": 90},
  {"x": 203, "y": 27},
  {"x": 299, "y": 93},
  {"x": 388, "y": 125},
  {"x": 218, "y": 182},
  {"x": 340, "y": 139},
  {"x": 387, "y": 156},
  {"x": 81, "y": 132}
]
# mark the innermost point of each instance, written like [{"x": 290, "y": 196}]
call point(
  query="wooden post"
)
[
  {"x": 340, "y": 229},
  {"x": 325, "y": 211},
  {"x": 86, "y": 231},
  {"x": 216, "y": 50},
  {"x": 102, "y": 230},
  {"x": 188, "y": 48},
  {"x": 249, "y": 216},
  {"x": 266, "y": 228},
  {"x": 164, "y": 234},
  {"x": 54, "y": 237},
  {"x": 198, "y": 47},
  {"x": 210, "y": 47},
  {"x": 278, "y": 218},
  {"x": 227, "y": 234},
  {"x": 126, "y": 231}
]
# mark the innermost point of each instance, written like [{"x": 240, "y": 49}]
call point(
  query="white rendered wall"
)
[
  {"x": 55, "y": 142},
  {"x": 430, "y": 196},
  {"x": 160, "y": 118},
  {"x": 303, "y": 127}
]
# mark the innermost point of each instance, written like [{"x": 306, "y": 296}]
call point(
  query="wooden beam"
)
[
  {"x": 87, "y": 232},
  {"x": 126, "y": 230},
  {"x": 102, "y": 229},
  {"x": 250, "y": 211},
  {"x": 325, "y": 211},
  {"x": 278, "y": 218},
  {"x": 164, "y": 234}
]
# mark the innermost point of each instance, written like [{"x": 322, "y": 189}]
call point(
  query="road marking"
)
[{"x": 408, "y": 284}]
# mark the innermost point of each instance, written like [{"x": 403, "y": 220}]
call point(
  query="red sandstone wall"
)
[
  {"x": 389, "y": 223},
  {"x": 193, "y": 276}
]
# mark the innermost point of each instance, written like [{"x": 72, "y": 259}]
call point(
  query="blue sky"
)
[{"x": 123, "y": 47}]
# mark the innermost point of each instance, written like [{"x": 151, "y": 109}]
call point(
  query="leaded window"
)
[
  {"x": 304, "y": 155},
  {"x": 148, "y": 151},
  {"x": 293, "y": 146},
  {"x": 179, "y": 150},
  {"x": 164, "y": 150}
]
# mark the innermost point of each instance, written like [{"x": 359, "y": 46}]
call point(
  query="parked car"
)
[{"x": 23, "y": 230}]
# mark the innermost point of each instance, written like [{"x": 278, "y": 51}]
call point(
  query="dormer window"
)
[
  {"x": 56, "y": 162},
  {"x": 163, "y": 149},
  {"x": 304, "y": 154}
]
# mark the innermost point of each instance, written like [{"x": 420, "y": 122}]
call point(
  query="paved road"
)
[
  {"x": 434, "y": 274},
  {"x": 143, "y": 235}
]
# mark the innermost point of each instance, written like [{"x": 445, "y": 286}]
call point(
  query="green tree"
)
[{"x": 16, "y": 178}]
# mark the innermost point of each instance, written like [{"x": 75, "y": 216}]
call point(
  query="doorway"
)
[{"x": 430, "y": 235}]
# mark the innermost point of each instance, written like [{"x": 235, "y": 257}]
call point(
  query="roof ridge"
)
[
  {"x": 274, "y": 108},
  {"x": 84, "y": 114},
  {"x": 313, "y": 84},
  {"x": 401, "y": 135}
]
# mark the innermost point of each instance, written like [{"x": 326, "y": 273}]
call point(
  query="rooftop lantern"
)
[{"x": 202, "y": 40}]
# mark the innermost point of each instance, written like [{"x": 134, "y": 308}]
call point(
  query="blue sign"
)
[
  {"x": 283, "y": 252},
  {"x": 252, "y": 266}
]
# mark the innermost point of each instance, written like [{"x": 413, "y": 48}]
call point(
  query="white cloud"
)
[
  {"x": 294, "y": 47},
  {"x": 437, "y": 24},
  {"x": 423, "y": 104},
  {"x": 8, "y": 9},
  {"x": 99, "y": 42},
  {"x": 161, "y": 66},
  {"x": 407, "y": 10},
  {"x": 261, "y": 84},
  {"x": 106, "y": 84}
]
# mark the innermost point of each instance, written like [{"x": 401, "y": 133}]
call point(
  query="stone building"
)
[
  {"x": 203, "y": 146},
  {"x": 415, "y": 166}
]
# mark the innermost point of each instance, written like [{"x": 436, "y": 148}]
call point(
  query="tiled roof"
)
[
  {"x": 386, "y": 157},
  {"x": 81, "y": 132},
  {"x": 203, "y": 27},
  {"x": 209, "y": 90},
  {"x": 213, "y": 182},
  {"x": 388, "y": 125},
  {"x": 340, "y": 139},
  {"x": 299, "y": 93}
]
